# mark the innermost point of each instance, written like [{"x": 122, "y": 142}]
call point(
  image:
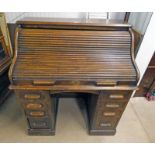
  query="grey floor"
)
[{"x": 136, "y": 125}]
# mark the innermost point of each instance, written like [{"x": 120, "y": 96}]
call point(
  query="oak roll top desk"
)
[{"x": 93, "y": 57}]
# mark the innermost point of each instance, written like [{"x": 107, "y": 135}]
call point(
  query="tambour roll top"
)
[{"x": 73, "y": 51}]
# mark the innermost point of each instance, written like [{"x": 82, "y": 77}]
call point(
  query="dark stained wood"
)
[
  {"x": 5, "y": 61},
  {"x": 126, "y": 18},
  {"x": 147, "y": 83},
  {"x": 138, "y": 38},
  {"x": 92, "y": 57},
  {"x": 32, "y": 21},
  {"x": 12, "y": 28}
]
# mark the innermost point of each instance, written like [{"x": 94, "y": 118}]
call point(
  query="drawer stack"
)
[
  {"x": 39, "y": 109},
  {"x": 110, "y": 106}
]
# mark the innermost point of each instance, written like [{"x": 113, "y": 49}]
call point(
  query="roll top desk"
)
[{"x": 93, "y": 57}]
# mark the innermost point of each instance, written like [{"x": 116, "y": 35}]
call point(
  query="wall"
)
[
  {"x": 147, "y": 47},
  {"x": 12, "y": 17},
  {"x": 140, "y": 20}
]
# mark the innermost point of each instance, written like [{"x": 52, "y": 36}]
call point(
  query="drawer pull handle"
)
[
  {"x": 105, "y": 124},
  {"x": 109, "y": 113},
  {"x": 37, "y": 113},
  {"x": 117, "y": 96},
  {"x": 34, "y": 106},
  {"x": 106, "y": 83},
  {"x": 39, "y": 124},
  {"x": 112, "y": 105},
  {"x": 32, "y": 96},
  {"x": 43, "y": 82}
]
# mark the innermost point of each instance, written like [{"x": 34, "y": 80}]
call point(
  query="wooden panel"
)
[
  {"x": 95, "y": 54},
  {"x": 41, "y": 123},
  {"x": 152, "y": 62},
  {"x": 146, "y": 82}
]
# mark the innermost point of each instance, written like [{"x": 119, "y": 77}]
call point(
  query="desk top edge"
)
[{"x": 72, "y": 21}]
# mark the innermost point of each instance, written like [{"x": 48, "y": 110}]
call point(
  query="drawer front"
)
[
  {"x": 107, "y": 124},
  {"x": 118, "y": 96},
  {"x": 39, "y": 123},
  {"x": 34, "y": 106},
  {"x": 34, "y": 113},
  {"x": 32, "y": 96},
  {"x": 115, "y": 105},
  {"x": 111, "y": 113}
]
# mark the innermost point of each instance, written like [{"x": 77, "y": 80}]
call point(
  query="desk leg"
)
[
  {"x": 40, "y": 111},
  {"x": 105, "y": 111}
]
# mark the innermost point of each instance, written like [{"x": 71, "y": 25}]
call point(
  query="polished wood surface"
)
[
  {"x": 91, "y": 57},
  {"x": 33, "y": 21},
  {"x": 92, "y": 52},
  {"x": 146, "y": 85}
]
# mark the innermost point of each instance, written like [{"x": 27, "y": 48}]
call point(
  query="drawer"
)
[
  {"x": 39, "y": 123},
  {"x": 35, "y": 113},
  {"x": 31, "y": 95},
  {"x": 111, "y": 113},
  {"x": 118, "y": 95},
  {"x": 107, "y": 123},
  {"x": 34, "y": 106},
  {"x": 117, "y": 105}
]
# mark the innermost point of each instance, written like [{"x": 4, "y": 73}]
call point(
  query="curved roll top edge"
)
[
  {"x": 132, "y": 54},
  {"x": 15, "y": 56}
]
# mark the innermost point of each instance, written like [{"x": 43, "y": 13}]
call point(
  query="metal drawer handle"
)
[
  {"x": 43, "y": 82},
  {"x": 112, "y": 105},
  {"x": 37, "y": 113},
  {"x": 117, "y": 96},
  {"x": 34, "y": 106},
  {"x": 106, "y": 83},
  {"x": 105, "y": 124},
  {"x": 39, "y": 124},
  {"x": 109, "y": 113},
  {"x": 32, "y": 96}
]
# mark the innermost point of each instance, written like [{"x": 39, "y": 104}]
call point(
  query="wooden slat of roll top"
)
[
  {"x": 30, "y": 32},
  {"x": 77, "y": 37},
  {"x": 68, "y": 54}
]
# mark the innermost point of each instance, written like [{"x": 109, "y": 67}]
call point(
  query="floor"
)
[{"x": 136, "y": 125}]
